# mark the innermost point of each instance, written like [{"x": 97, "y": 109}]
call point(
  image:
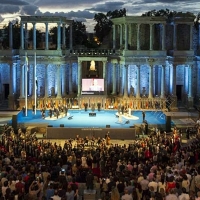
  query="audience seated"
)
[{"x": 157, "y": 167}]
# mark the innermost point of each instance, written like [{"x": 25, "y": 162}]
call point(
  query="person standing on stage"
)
[
  {"x": 33, "y": 108},
  {"x": 143, "y": 115},
  {"x": 66, "y": 110},
  {"x": 50, "y": 113},
  {"x": 24, "y": 110},
  {"x": 57, "y": 113}
]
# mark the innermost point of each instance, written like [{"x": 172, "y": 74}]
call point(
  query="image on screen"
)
[{"x": 92, "y": 84}]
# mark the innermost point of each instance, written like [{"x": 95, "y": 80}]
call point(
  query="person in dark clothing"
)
[
  {"x": 143, "y": 116},
  {"x": 89, "y": 180}
]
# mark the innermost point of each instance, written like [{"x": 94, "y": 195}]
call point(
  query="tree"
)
[
  {"x": 104, "y": 23},
  {"x": 16, "y": 36},
  {"x": 79, "y": 35},
  {"x": 78, "y": 32},
  {"x": 165, "y": 13}
]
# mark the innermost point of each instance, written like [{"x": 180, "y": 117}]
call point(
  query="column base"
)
[
  {"x": 173, "y": 103},
  {"x": 11, "y": 102},
  {"x": 190, "y": 102}
]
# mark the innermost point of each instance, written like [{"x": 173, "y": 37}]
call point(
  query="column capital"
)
[{"x": 151, "y": 61}]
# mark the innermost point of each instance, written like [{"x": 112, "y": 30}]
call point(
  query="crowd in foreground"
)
[{"x": 157, "y": 167}]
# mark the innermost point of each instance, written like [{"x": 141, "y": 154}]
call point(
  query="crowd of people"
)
[{"x": 156, "y": 167}]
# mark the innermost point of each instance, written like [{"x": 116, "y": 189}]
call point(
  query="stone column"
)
[
  {"x": 58, "y": 36},
  {"x": 10, "y": 35},
  {"x": 63, "y": 36},
  {"x": 150, "y": 81},
  {"x": 191, "y": 37},
  {"x": 175, "y": 37},
  {"x": 46, "y": 83},
  {"x": 114, "y": 79},
  {"x": 138, "y": 82},
  {"x": 121, "y": 35},
  {"x": 190, "y": 81},
  {"x": 163, "y": 82},
  {"x": 190, "y": 91},
  {"x": 64, "y": 80},
  {"x": 104, "y": 77},
  {"x": 173, "y": 80},
  {"x": 22, "y": 82},
  {"x": 121, "y": 85},
  {"x": 22, "y": 35},
  {"x": 58, "y": 82},
  {"x": 126, "y": 37},
  {"x": 11, "y": 103},
  {"x": 70, "y": 37},
  {"x": 34, "y": 75},
  {"x": 26, "y": 36},
  {"x": 163, "y": 37},
  {"x": 125, "y": 80},
  {"x": 199, "y": 38},
  {"x": 138, "y": 36},
  {"x": 79, "y": 77},
  {"x": 11, "y": 80},
  {"x": 70, "y": 78},
  {"x": 173, "y": 94},
  {"x": 151, "y": 38},
  {"x": 114, "y": 36},
  {"x": 47, "y": 36},
  {"x": 34, "y": 36}
]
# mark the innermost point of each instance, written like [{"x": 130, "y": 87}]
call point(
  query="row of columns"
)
[
  {"x": 124, "y": 82},
  {"x": 150, "y": 36},
  {"x": 61, "y": 85},
  {"x": 46, "y": 36}
]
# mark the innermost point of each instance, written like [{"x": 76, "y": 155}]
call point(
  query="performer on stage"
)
[
  {"x": 50, "y": 113},
  {"x": 66, "y": 110},
  {"x": 57, "y": 113},
  {"x": 122, "y": 109},
  {"x": 99, "y": 106},
  {"x": 143, "y": 115},
  {"x": 33, "y": 108},
  {"x": 23, "y": 110},
  {"x": 43, "y": 112}
]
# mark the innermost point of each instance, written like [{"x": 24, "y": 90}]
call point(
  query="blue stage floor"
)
[{"x": 81, "y": 119}]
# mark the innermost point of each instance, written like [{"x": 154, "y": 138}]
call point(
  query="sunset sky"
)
[{"x": 84, "y": 10}]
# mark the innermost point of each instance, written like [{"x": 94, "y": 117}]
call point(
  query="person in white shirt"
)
[
  {"x": 184, "y": 195},
  {"x": 154, "y": 185},
  {"x": 126, "y": 196},
  {"x": 171, "y": 195}
]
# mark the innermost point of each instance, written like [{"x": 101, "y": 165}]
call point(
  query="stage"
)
[{"x": 91, "y": 123}]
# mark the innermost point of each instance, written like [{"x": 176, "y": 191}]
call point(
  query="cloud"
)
[
  {"x": 29, "y": 10},
  {"x": 14, "y": 2},
  {"x": 108, "y": 6},
  {"x": 9, "y": 9},
  {"x": 1, "y": 19}
]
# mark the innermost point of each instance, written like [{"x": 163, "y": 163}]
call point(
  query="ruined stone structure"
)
[{"x": 152, "y": 64}]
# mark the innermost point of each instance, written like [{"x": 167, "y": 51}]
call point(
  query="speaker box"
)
[
  {"x": 61, "y": 125},
  {"x": 14, "y": 122},
  {"x": 50, "y": 126},
  {"x": 132, "y": 126},
  {"x": 107, "y": 126},
  {"x": 92, "y": 114}
]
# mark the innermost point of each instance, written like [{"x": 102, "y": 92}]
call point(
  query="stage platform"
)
[{"x": 97, "y": 123}]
